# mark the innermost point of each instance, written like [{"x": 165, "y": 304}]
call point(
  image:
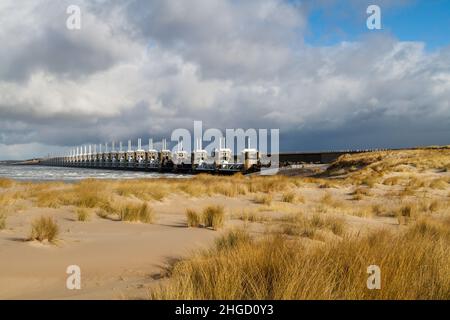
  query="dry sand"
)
[{"x": 117, "y": 259}]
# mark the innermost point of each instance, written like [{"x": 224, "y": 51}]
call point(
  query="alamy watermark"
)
[
  {"x": 374, "y": 20},
  {"x": 265, "y": 141},
  {"x": 73, "y": 21},
  {"x": 73, "y": 281},
  {"x": 374, "y": 279}
]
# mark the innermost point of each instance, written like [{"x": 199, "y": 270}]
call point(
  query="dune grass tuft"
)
[
  {"x": 48, "y": 199},
  {"x": 232, "y": 239},
  {"x": 83, "y": 214},
  {"x": 214, "y": 217},
  {"x": 440, "y": 184},
  {"x": 135, "y": 212},
  {"x": 360, "y": 193},
  {"x": 297, "y": 224},
  {"x": 328, "y": 200},
  {"x": 44, "y": 228},
  {"x": 6, "y": 183},
  {"x": 2, "y": 220},
  {"x": 193, "y": 218},
  {"x": 406, "y": 213},
  {"x": 250, "y": 215},
  {"x": 265, "y": 199},
  {"x": 289, "y": 197}
]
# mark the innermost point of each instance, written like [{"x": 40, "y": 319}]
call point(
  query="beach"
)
[{"x": 389, "y": 196}]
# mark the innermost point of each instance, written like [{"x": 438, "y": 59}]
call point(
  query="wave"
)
[{"x": 42, "y": 173}]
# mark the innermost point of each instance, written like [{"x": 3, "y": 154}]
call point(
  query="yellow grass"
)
[
  {"x": 265, "y": 199},
  {"x": 414, "y": 265},
  {"x": 44, "y": 228},
  {"x": 360, "y": 193},
  {"x": 440, "y": 184},
  {"x": 435, "y": 205},
  {"x": 86, "y": 194},
  {"x": 90, "y": 194},
  {"x": 7, "y": 198},
  {"x": 214, "y": 217},
  {"x": 250, "y": 215},
  {"x": 407, "y": 212},
  {"x": 289, "y": 197},
  {"x": 392, "y": 181},
  {"x": 303, "y": 230},
  {"x": 193, "y": 218},
  {"x": 48, "y": 199},
  {"x": 328, "y": 200},
  {"x": 373, "y": 167},
  {"x": 142, "y": 189},
  {"x": 2, "y": 220},
  {"x": 6, "y": 183},
  {"x": 134, "y": 212},
  {"x": 416, "y": 183},
  {"x": 333, "y": 223},
  {"x": 83, "y": 214},
  {"x": 232, "y": 239},
  {"x": 298, "y": 224}
]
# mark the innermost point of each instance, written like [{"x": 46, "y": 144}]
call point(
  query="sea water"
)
[{"x": 44, "y": 173}]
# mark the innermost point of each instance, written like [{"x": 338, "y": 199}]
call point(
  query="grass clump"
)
[
  {"x": 232, "y": 239},
  {"x": 326, "y": 185},
  {"x": 2, "y": 220},
  {"x": 48, "y": 199},
  {"x": 360, "y": 193},
  {"x": 193, "y": 218},
  {"x": 90, "y": 194},
  {"x": 336, "y": 225},
  {"x": 333, "y": 223},
  {"x": 251, "y": 215},
  {"x": 144, "y": 189},
  {"x": 295, "y": 229},
  {"x": 83, "y": 214},
  {"x": 6, "y": 183},
  {"x": 44, "y": 228},
  {"x": 8, "y": 198},
  {"x": 214, "y": 217},
  {"x": 329, "y": 200},
  {"x": 440, "y": 184},
  {"x": 289, "y": 197},
  {"x": 299, "y": 225},
  {"x": 406, "y": 212},
  {"x": 265, "y": 199},
  {"x": 434, "y": 206},
  {"x": 133, "y": 212},
  {"x": 391, "y": 181}
]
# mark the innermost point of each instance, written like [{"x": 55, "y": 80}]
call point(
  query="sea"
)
[{"x": 44, "y": 173}]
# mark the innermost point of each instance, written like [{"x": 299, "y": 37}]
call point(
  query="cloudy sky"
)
[{"x": 141, "y": 68}]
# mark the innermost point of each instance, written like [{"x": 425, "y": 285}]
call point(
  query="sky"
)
[{"x": 142, "y": 68}]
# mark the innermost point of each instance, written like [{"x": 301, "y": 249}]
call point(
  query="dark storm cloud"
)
[{"x": 35, "y": 39}]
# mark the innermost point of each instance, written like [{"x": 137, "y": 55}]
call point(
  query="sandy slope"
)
[{"x": 117, "y": 259}]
